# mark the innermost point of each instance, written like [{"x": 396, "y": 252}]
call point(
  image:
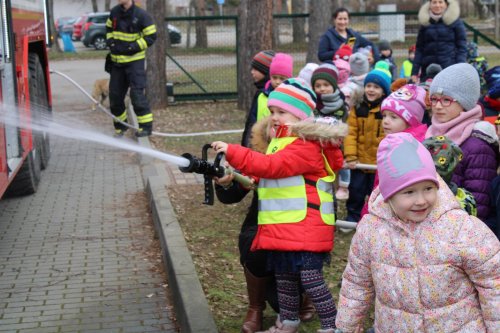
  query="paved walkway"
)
[{"x": 79, "y": 255}]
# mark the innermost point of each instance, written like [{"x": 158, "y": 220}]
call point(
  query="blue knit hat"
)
[{"x": 380, "y": 78}]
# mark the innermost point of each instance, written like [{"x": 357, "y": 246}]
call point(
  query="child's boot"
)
[
  {"x": 256, "y": 288},
  {"x": 307, "y": 310},
  {"x": 287, "y": 326}
]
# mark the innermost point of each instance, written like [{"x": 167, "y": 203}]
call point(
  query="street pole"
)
[
  {"x": 497, "y": 20},
  {"x": 220, "y": 14}
]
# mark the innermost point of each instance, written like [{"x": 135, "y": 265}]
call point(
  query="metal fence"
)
[{"x": 210, "y": 71}]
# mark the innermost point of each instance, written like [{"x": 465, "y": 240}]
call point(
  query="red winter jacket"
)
[{"x": 301, "y": 157}]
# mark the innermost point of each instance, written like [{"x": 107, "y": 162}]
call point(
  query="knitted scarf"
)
[{"x": 458, "y": 129}]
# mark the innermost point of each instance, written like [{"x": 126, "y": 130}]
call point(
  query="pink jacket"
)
[{"x": 440, "y": 275}]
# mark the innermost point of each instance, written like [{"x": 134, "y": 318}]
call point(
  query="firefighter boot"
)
[
  {"x": 307, "y": 310},
  {"x": 256, "y": 288}
]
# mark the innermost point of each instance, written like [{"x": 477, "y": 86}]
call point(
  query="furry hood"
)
[
  {"x": 451, "y": 14},
  {"x": 311, "y": 130}
]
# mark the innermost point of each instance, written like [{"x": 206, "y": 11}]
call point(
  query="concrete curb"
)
[{"x": 190, "y": 303}]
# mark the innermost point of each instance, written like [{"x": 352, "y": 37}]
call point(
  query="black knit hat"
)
[
  {"x": 262, "y": 60},
  {"x": 384, "y": 45}
]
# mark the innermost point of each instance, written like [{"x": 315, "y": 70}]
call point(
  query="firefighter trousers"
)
[{"x": 124, "y": 76}]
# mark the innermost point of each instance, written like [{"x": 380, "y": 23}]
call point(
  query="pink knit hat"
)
[
  {"x": 403, "y": 161},
  {"x": 344, "y": 71},
  {"x": 408, "y": 102},
  {"x": 282, "y": 64}
]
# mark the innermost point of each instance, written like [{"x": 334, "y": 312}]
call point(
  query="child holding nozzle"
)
[{"x": 295, "y": 190}]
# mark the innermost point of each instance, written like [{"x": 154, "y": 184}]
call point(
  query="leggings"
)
[{"x": 314, "y": 285}]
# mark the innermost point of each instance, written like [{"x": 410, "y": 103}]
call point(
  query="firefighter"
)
[{"x": 130, "y": 30}]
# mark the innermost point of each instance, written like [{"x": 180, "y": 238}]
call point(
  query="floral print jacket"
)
[{"x": 440, "y": 275}]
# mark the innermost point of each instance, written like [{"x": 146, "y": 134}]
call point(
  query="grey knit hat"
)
[
  {"x": 460, "y": 81},
  {"x": 359, "y": 64}
]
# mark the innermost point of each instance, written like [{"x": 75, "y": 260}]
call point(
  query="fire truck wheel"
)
[
  {"x": 28, "y": 177},
  {"x": 38, "y": 98}
]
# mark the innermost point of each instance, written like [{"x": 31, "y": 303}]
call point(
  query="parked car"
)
[
  {"x": 95, "y": 35},
  {"x": 175, "y": 34},
  {"x": 68, "y": 27},
  {"x": 94, "y": 30},
  {"x": 77, "y": 27},
  {"x": 62, "y": 21}
]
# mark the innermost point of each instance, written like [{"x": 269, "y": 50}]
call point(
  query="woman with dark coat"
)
[
  {"x": 441, "y": 38},
  {"x": 339, "y": 34}
]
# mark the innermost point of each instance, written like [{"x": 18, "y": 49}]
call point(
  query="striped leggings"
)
[{"x": 312, "y": 281}]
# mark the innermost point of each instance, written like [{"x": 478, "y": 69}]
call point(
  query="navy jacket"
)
[
  {"x": 442, "y": 42},
  {"x": 331, "y": 41}
]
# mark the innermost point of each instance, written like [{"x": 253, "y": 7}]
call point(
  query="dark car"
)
[
  {"x": 95, "y": 35},
  {"x": 174, "y": 34},
  {"x": 94, "y": 30}
]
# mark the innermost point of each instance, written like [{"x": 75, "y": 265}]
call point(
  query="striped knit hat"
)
[
  {"x": 327, "y": 72},
  {"x": 294, "y": 96},
  {"x": 262, "y": 60}
]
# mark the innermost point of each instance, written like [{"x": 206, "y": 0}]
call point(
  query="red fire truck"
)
[{"x": 25, "y": 93}]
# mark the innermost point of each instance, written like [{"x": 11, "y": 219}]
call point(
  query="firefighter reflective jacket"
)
[{"x": 129, "y": 33}]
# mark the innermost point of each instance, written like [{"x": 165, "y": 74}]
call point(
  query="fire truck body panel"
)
[{"x": 22, "y": 49}]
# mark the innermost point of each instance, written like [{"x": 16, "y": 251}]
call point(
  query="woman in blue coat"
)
[
  {"x": 441, "y": 38},
  {"x": 340, "y": 34}
]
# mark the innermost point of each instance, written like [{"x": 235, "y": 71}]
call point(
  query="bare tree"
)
[
  {"x": 319, "y": 19},
  {"x": 107, "y": 5},
  {"x": 201, "y": 25},
  {"x": 55, "y": 33},
  {"x": 156, "y": 91},
  {"x": 255, "y": 22},
  {"x": 298, "y": 24},
  {"x": 94, "y": 6}
]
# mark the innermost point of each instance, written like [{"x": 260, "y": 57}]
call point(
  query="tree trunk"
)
[
  {"x": 55, "y": 34},
  {"x": 107, "y": 5},
  {"x": 255, "y": 22},
  {"x": 319, "y": 20},
  {"x": 201, "y": 26},
  {"x": 156, "y": 90},
  {"x": 95, "y": 9},
  {"x": 298, "y": 24},
  {"x": 277, "y": 7}
]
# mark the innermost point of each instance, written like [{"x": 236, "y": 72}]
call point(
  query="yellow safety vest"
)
[
  {"x": 262, "y": 109},
  {"x": 407, "y": 67},
  {"x": 284, "y": 200}
]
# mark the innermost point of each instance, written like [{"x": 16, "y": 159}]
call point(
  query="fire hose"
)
[{"x": 107, "y": 112}]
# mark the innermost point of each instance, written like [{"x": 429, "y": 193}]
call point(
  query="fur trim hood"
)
[
  {"x": 325, "y": 133},
  {"x": 451, "y": 14}
]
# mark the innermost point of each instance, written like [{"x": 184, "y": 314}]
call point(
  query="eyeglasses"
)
[{"x": 445, "y": 100}]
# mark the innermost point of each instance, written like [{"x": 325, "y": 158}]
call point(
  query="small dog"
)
[{"x": 100, "y": 92}]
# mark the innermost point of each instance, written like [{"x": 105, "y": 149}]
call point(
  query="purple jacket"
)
[{"x": 475, "y": 172}]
